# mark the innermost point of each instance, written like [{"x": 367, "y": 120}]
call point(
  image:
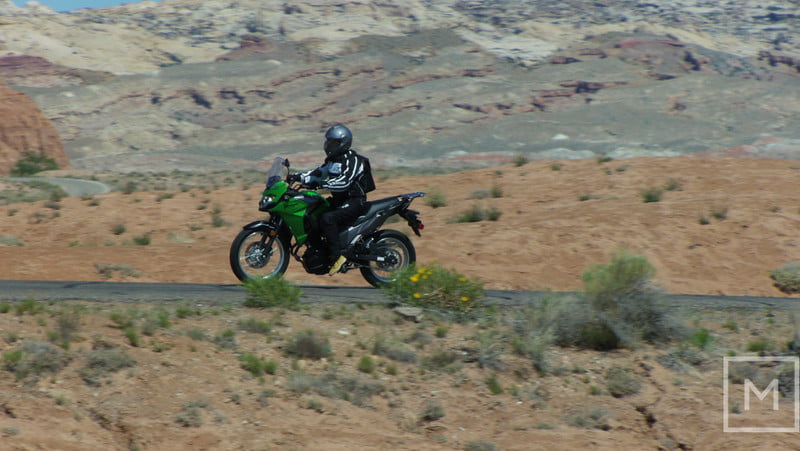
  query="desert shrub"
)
[
  {"x": 432, "y": 411},
  {"x": 620, "y": 307},
  {"x": 493, "y": 214},
  {"x": 435, "y": 198},
  {"x": 787, "y": 277},
  {"x": 333, "y": 385},
  {"x": 432, "y": 286},
  {"x": 366, "y": 364},
  {"x": 34, "y": 358},
  {"x": 760, "y": 344},
  {"x": 107, "y": 270},
  {"x": 652, "y": 194},
  {"x": 620, "y": 382},
  {"x": 480, "y": 446},
  {"x": 308, "y": 345},
  {"x": 191, "y": 415},
  {"x": 253, "y": 364},
  {"x": 271, "y": 292},
  {"x": 493, "y": 384},
  {"x": 255, "y": 326},
  {"x": 672, "y": 185},
  {"x": 591, "y": 419},
  {"x": 118, "y": 229},
  {"x": 700, "y": 338},
  {"x": 475, "y": 214},
  {"x": 520, "y": 160},
  {"x": 720, "y": 214},
  {"x": 226, "y": 339},
  {"x": 29, "y": 306},
  {"x": 100, "y": 362},
  {"x": 32, "y": 163},
  {"x": 10, "y": 240},
  {"x": 440, "y": 360},
  {"x": 398, "y": 352},
  {"x": 142, "y": 240},
  {"x": 68, "y": 322}
]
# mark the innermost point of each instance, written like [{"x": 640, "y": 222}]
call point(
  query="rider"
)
[{"x": 343, "y": 173}]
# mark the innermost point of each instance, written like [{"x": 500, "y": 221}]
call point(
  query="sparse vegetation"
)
[
  {"x": 787, "y": 277},
  {"x": 33, "y": 163},
  {"x": 433, "y": 286},
  {"x": 652, "y": 194},
  {"x": 308, "y": 344},
  {"x": 271, "y": 292},
  {"x": 596, "y": 418},
  {"x": 620, "y": 382},
  {"x": 434, "y": 198},
  {"x": 34, "y": 358},
  {"x": 620, "y": 308}
]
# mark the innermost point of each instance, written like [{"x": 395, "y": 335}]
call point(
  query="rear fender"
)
[{"x": 412, "y": 216}]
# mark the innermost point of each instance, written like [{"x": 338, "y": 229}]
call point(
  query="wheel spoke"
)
[{"x": 259, "y": 258}]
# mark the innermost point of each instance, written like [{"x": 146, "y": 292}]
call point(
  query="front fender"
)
[{"x": 259, "y": 225}]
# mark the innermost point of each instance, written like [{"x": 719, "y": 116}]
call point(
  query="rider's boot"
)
[{"x": 337, "y": 265}]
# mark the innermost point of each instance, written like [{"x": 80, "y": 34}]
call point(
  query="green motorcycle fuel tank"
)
[{"x": 294, "y": 207}]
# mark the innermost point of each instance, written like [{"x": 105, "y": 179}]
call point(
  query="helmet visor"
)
[{"x": 332, "y": 145}]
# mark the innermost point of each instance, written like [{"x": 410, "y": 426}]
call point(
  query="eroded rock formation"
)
[{"x": 25, "y": 130}]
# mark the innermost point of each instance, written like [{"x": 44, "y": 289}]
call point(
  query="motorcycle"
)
[{"x": 262, "y": 248}]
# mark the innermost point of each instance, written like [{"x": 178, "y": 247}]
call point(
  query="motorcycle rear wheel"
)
[
  {"x": 251, "y": 260},
  {"x": 396, "y": 252}
]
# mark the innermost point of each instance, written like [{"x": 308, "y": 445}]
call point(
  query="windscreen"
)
[{"x": 276, "y": 172}]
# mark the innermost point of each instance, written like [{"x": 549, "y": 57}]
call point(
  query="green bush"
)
[
  {"x": 787, "y": 277},
  {"x": 432, "y": 286},
  {"x": 435, "y": 198},
  {"x": 620, "y": 382},
  {"x": 271, "y": 292},
  {"x": 33, "y": 358},
  {"x": 652, "y": 194},
  {"x": 474, "y": 214},
  {"x": 366, "y": 365},
  {"x": 100, "y": 362},
  {"x": 620, "y": 307},
  {"x": 32, "y": 163},
  {"x": 308, "y": 345},
  {"x": 254, "y": 365}
]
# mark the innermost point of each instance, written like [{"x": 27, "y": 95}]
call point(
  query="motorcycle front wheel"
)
[
  {"x": 394, "y": 252},
  {"x": 256, "y": 255}
]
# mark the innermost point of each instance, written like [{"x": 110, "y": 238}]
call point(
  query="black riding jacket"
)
[{"x": 341, "y": 175}]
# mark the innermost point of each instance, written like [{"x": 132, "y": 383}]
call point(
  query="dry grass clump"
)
[{"x": 787, "y": 277}]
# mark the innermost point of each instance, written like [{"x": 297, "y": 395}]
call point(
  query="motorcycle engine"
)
[{"x": 315, "y": 260}]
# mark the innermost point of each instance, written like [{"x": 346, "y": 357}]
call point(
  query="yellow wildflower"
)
[
  {"x": 464, "y": 298},
  {"x": 417, "y": 295},
  {"x": 421, "y": 270},
  {"x": 414, "y": 278},
  {"x": 424, "y": 277}
]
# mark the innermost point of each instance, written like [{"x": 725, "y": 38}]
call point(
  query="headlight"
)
[{"x": 266, "y": 202}]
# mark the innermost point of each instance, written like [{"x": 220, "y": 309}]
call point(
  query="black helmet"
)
[{"x": 338, "y": 140}]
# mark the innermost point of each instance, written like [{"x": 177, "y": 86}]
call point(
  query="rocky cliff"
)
[
  {"x": 199, "y": 84},
  {"x": 24, "y": 130}
]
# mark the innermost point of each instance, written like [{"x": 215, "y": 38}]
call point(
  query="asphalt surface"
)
[{"x": 17, "y": 290}]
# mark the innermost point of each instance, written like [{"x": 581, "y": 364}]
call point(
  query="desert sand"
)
[{"x": 720, "y": 227}]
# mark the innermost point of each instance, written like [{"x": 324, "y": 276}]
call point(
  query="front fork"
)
[{"x": 269, "y": 230}]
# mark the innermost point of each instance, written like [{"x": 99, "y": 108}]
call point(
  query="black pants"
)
[{"x": 333, "y": 221}]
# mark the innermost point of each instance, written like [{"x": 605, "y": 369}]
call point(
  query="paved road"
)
[
  {"x": 11, "y": 290},
  {"x": 73, "y": 187}
]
